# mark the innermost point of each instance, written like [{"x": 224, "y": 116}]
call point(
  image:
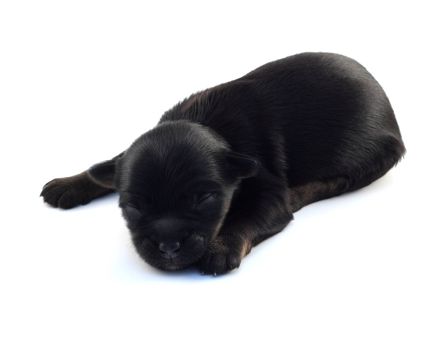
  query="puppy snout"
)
[{"x": 169, "y": 249}]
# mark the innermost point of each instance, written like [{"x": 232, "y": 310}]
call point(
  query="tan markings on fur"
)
[
  {"x": 225, "y": 208},
  {"x": 315, "y": 191},
  {"x": 246, "y": 248}
]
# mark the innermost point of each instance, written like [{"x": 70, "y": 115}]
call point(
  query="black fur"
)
[{"x": 226, "y": 168}]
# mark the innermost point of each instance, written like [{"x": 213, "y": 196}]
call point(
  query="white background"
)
[{"x": 80, "y": 80}]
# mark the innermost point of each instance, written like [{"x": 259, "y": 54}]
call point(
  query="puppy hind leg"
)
[
  {"x": 391, "y": 150},
  {"x": 314, "y": 191}
]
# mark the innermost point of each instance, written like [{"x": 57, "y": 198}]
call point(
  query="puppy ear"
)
[
  {"x": 241, "y": 165},
  {"x": 103, "y": 173},
  {"x": 131, "y": 213}
]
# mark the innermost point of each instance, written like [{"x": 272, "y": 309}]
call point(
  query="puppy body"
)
[{"x": 226, "y": 168}]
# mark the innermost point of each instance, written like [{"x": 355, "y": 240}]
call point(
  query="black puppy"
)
[{"x": 226, "y": 168}]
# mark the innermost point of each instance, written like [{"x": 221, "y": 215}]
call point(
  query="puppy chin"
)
[{"x": 192, "y": 250}]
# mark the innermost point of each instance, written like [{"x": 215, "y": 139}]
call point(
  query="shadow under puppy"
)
[{"x": 227, "y": 167}]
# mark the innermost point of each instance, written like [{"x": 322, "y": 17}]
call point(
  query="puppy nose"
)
[{"x": 169, "y": 249}]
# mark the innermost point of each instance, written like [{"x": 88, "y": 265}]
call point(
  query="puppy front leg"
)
[
  {"x": 224, "y": 253},
  {"x": 69, "y": 192},
  {"x": 254, "y": 218}
]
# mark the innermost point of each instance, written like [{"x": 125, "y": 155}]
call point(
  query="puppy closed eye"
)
[{"x": 205, "y": 198}]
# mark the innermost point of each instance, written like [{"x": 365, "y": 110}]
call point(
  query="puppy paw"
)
[
  {"x": 222, "y": 256},
  {"x": 67, "y": 192}
]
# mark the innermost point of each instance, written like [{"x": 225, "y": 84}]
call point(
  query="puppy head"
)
[{"x": 176, "y": 183}]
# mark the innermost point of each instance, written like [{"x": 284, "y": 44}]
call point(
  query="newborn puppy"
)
[{"x": 227, "y": 167}]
